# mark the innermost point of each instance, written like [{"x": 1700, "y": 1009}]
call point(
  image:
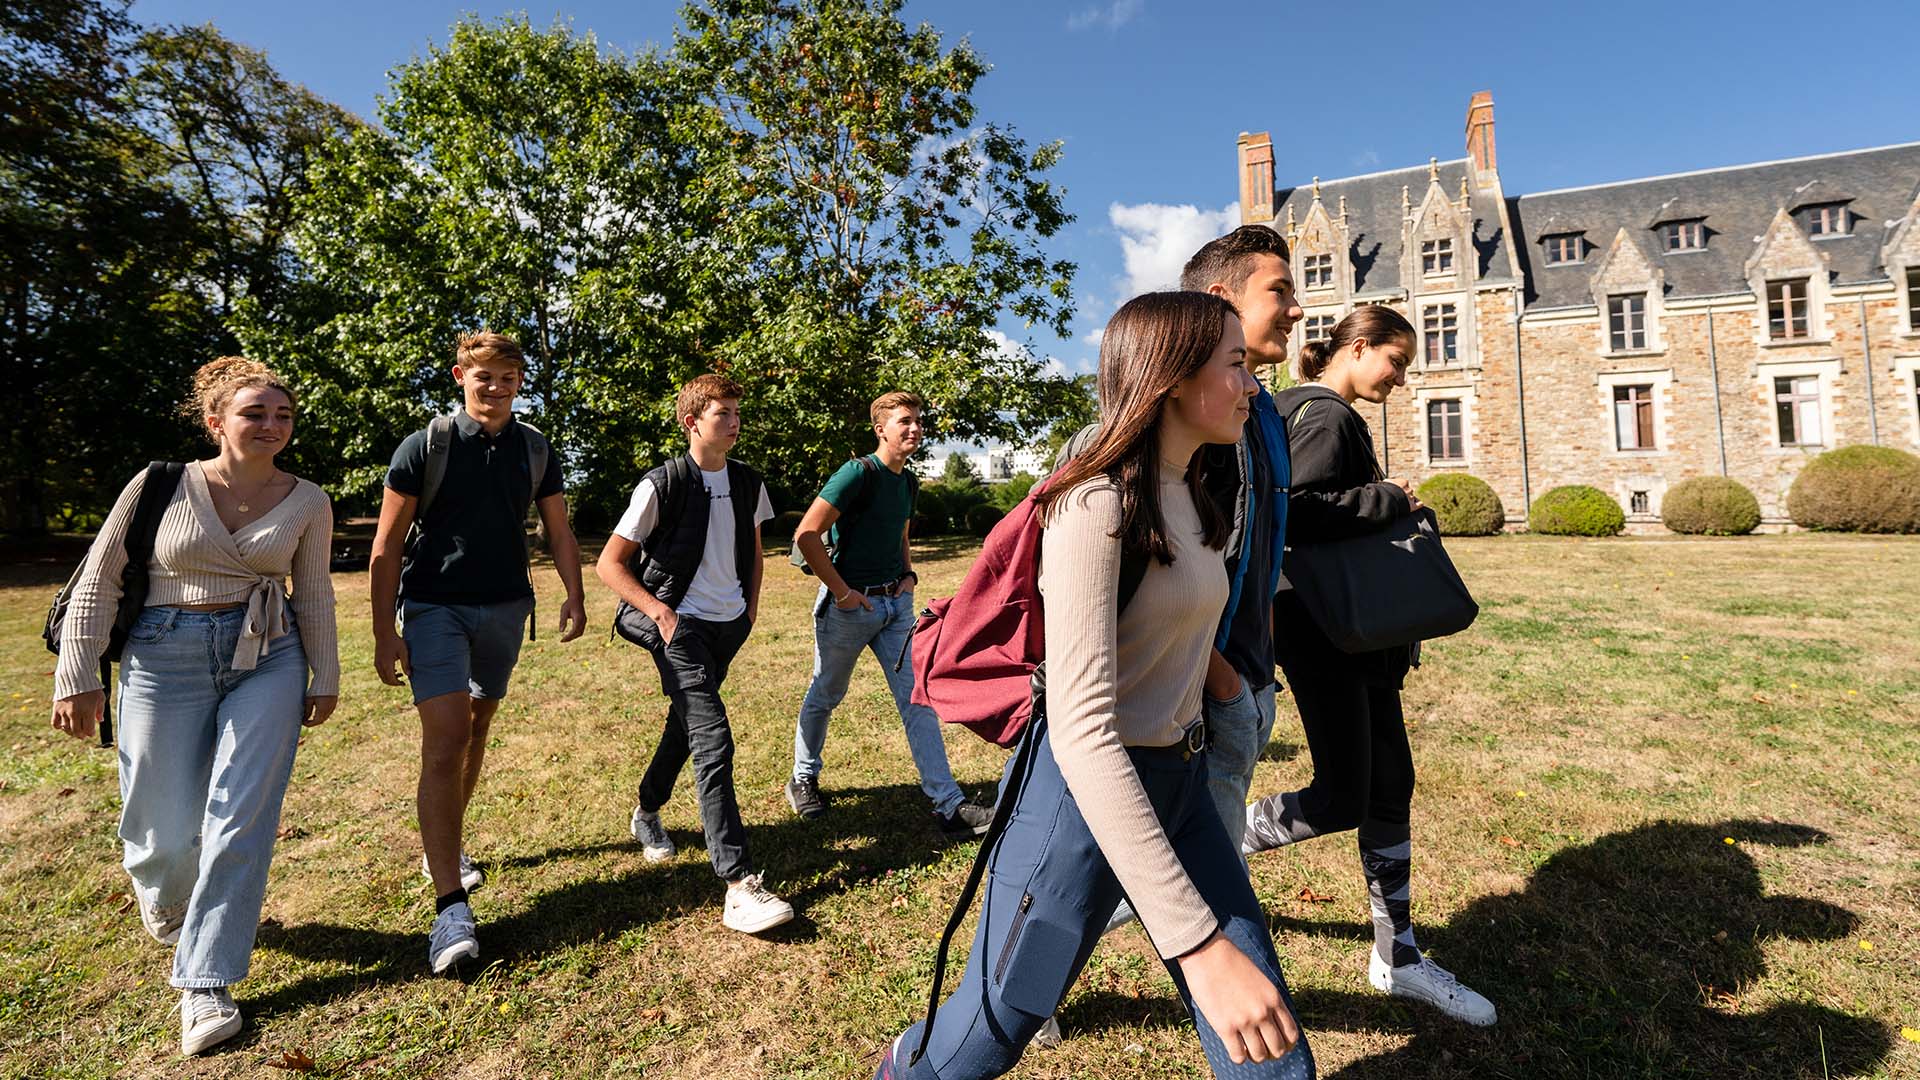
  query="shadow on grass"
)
[
  {"x": 1631, "y": 956},
  {"x": 868, "y": 833}
]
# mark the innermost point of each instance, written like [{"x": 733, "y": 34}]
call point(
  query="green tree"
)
[
  {"x": 525, "y": 182},
  {"x": 959, "y": 474},
  {"x": 1007, "y": 495},
  {"x": 875, "y": 229}
]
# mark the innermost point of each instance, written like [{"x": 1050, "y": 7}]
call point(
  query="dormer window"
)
[
  {"x": 1827, "y": 220},
  {"x": 1563, "y": 248},
  {"x": 1683, "y": 236},
  {"x": 1318, "y": 270},
  {"x": 1436, "y": 256}
]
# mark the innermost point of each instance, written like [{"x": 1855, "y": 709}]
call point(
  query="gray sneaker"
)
[
  {"x": 655, "y": 844},
  {"x": 163, "y": 922},
  {"x": 803, "y": 794},
  {"x": 207, "y": 1018},
  {"x": 452, "y": 938}
]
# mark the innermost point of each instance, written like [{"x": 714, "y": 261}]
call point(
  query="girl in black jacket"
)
[{"x": 1350, "y": 702}]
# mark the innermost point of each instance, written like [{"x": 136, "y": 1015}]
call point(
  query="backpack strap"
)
[
  {"x": 439, "y": 445},
  {"x": 156, "y": 491},
  {"x": 538, "y": 454}
]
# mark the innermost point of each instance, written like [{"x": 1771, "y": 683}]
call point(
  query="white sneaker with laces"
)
[
  {"x": 452, "y": 938},
  {"x": 1429, "y": 982},
  {"x": 751, "y": 908},
  {"x": 163, "y": 922},
  {"x": 471, "y": 876},
  {"x": 655, "y": 844},
  {"x": 207, "y": 1018}
]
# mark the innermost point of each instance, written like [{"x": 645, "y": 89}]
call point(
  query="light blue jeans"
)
[
  {"x": 1237, "y": 730},
  {"x": 838, "y": 638},
  {"x": 205, "y": 755}
]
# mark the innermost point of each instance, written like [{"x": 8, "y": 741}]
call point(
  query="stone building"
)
[{"x": 1732, "y": 321}]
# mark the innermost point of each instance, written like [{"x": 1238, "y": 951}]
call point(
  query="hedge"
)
[
  {"x": 1870, "y": 489},
  {"x": 785, "y": 524},
  {"x": 1710, "y": 506},
  {"x": 981, "y": 519},
  {"x": 1466, "y": 505},
  {"x": 1576, "y": 510}
]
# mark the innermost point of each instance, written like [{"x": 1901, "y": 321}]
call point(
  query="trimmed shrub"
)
[
  {"x": 1576, "y": 510},
  {"x": 784, "y": 524},
  {"x": 1710, "y": 506},
  {"x": 1870, "y": 489},
  {"x": 981, "y": 519},
  {"x": 1465, "y": 505}
]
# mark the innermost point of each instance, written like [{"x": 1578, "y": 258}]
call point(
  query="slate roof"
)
[
  {"x": 1374, "y": 222},
  {"x": 1737, "y": 202}
]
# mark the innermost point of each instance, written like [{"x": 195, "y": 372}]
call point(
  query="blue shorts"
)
[{"x": 456, "y": 647}]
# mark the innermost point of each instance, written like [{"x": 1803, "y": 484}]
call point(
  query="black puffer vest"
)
[{"x": 670, "y": 554}]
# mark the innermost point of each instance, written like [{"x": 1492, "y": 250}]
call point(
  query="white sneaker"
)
[
  {"x": 751, "y": 908},
  {"x": 452, "y": 938},
  {"x": 1429, "y": 982},
  {"x": 163, "y": 922},
  {"x": 471, "y": 876},
  {"x": 655, "y": 844},
  {"x": 207, "y": 1018}
]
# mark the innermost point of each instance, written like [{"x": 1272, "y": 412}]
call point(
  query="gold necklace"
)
[{"x": 227, "y": 482}]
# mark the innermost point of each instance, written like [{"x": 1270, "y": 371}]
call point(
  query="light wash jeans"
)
[
  {"x": 205, "y": 755},
  {"x": 1237, "y": 730},
  {"x": 838, "y": 638}
]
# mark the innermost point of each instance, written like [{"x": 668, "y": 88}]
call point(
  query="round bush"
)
[
  {"x": 1870, "y": 489},
  {"x": 1576, "y": 510},
  {"x": 785, "y": 524},
  {"x": 1710, "y": 506},
  {"x": 1465, "y": 505},
  {"x": 981, "y": 519}
]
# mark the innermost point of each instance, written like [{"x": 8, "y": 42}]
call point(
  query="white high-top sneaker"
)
[
  {"x": 751, "y": 908},
  {"x": 1429, "y": 982}
]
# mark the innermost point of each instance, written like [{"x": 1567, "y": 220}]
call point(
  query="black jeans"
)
[{"x": 692, "y": 666}]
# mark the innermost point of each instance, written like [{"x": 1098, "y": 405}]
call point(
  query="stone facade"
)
[{"x": 1727, "y": 322}]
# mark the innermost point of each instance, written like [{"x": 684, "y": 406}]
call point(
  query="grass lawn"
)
[{"x": 1667, "y": 820}]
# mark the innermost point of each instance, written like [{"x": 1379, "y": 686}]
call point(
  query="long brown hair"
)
[
  {"x": 1151, "y": 344},
  {"x": 1375, "y": 324}
]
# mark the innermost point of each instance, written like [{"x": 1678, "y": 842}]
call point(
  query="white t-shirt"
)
[{"x": 716, "y": 592}]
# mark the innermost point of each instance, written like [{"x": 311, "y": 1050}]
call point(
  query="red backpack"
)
[{"x": 976, "y": 653}]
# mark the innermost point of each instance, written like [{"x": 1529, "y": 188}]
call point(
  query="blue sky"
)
[{"x": 1148, "y": 95}]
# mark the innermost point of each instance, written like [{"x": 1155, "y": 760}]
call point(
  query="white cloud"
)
[
  {"x": 1112, "y": 17},
  {"x": 1366, "y": 159},
  {"x": 1006, "y": 346},
  {"x": 1156, "y": 240}
]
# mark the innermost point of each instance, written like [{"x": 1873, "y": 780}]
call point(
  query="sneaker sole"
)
[
  {"x": 171, "y": 937},
  {"x": 761, "y": 926},
  {"x": 452, "y": 955},
  {"x": 654, "y": 854},
  {"x": 207, "y": 1040}
]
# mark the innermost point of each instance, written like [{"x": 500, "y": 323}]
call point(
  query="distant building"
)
[{"x": 1732, "y": 321}]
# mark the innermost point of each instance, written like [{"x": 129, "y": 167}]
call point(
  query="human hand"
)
[
  {"x": 668, "y": 625},
  {"x": 573, "y": 618},
  {"x": 79, "y": 715},
  {"x": 854, "y": 599},
  {"x": 390, "y": 659},
  {"x": 318, "y": 709},
  {"x": 1239, "y": 1001}
]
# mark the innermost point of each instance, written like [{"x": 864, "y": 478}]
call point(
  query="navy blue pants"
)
[{"x": 1048, "y": 896}]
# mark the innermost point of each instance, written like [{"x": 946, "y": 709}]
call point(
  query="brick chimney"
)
[
  {"x": 1256, "y": 177},
  {"x": 1480, "y": 137}
]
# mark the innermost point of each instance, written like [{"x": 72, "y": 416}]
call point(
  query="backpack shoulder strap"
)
[
  {"x": 156, "y": 491},
  {"x": 439, "y": 445},
  {"x": 539, "y": 453},
  {"x": 1133, "y": 570},
  {"x": 869, "y": 476}
]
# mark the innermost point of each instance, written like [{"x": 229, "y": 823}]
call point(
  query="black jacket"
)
[
  {"x": 1337, "y": 492},
  {"x": 670, "y": 555}
]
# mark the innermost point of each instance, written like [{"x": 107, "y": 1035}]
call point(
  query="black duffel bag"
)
[{"x": 1391, "y": 587}]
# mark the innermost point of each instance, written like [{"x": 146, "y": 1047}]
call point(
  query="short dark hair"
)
[{"x": 1229, "y": 259}]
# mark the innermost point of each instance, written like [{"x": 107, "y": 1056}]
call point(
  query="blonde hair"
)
[
  {"x": 215, "y": 383},
  {"x": 894, "y": 399},
  {"x": 487, "y": 345}
]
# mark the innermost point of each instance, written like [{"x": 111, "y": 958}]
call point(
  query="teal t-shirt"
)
[{"x": 869, "y": 552}]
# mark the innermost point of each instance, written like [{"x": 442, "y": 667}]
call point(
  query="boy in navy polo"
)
[
  {"x": 685, "y": 562},
  {"x": 463, "y": 581}
]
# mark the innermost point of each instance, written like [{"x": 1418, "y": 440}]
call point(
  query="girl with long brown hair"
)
[
  {"x": 1350, "y": 703},
  {"x": 1115, "y": 797}
]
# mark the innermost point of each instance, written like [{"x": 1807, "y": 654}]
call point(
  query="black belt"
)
[
  {"x": 880, "y": 590},
  {"x": 1196, "y": 739}
]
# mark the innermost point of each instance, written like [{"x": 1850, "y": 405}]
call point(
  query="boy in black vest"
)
[
  {"x": 685, "y": 562},
  {"x": 466, "y": 481}
]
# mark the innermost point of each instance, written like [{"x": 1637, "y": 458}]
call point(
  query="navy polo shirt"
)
[{"x": 471, "y": 546}]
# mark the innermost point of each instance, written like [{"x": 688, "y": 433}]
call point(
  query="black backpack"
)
[
  {"x": 162, "y": 479},
  {"x": 862, "y": 502}
]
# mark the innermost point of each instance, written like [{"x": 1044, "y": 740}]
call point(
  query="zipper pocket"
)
[{"x": 1013, "y": 937}]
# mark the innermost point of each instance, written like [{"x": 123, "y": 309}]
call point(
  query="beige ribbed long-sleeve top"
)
[
  {"x": 197, "y": 561},
  {"x": 1134, "y": 680}
]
